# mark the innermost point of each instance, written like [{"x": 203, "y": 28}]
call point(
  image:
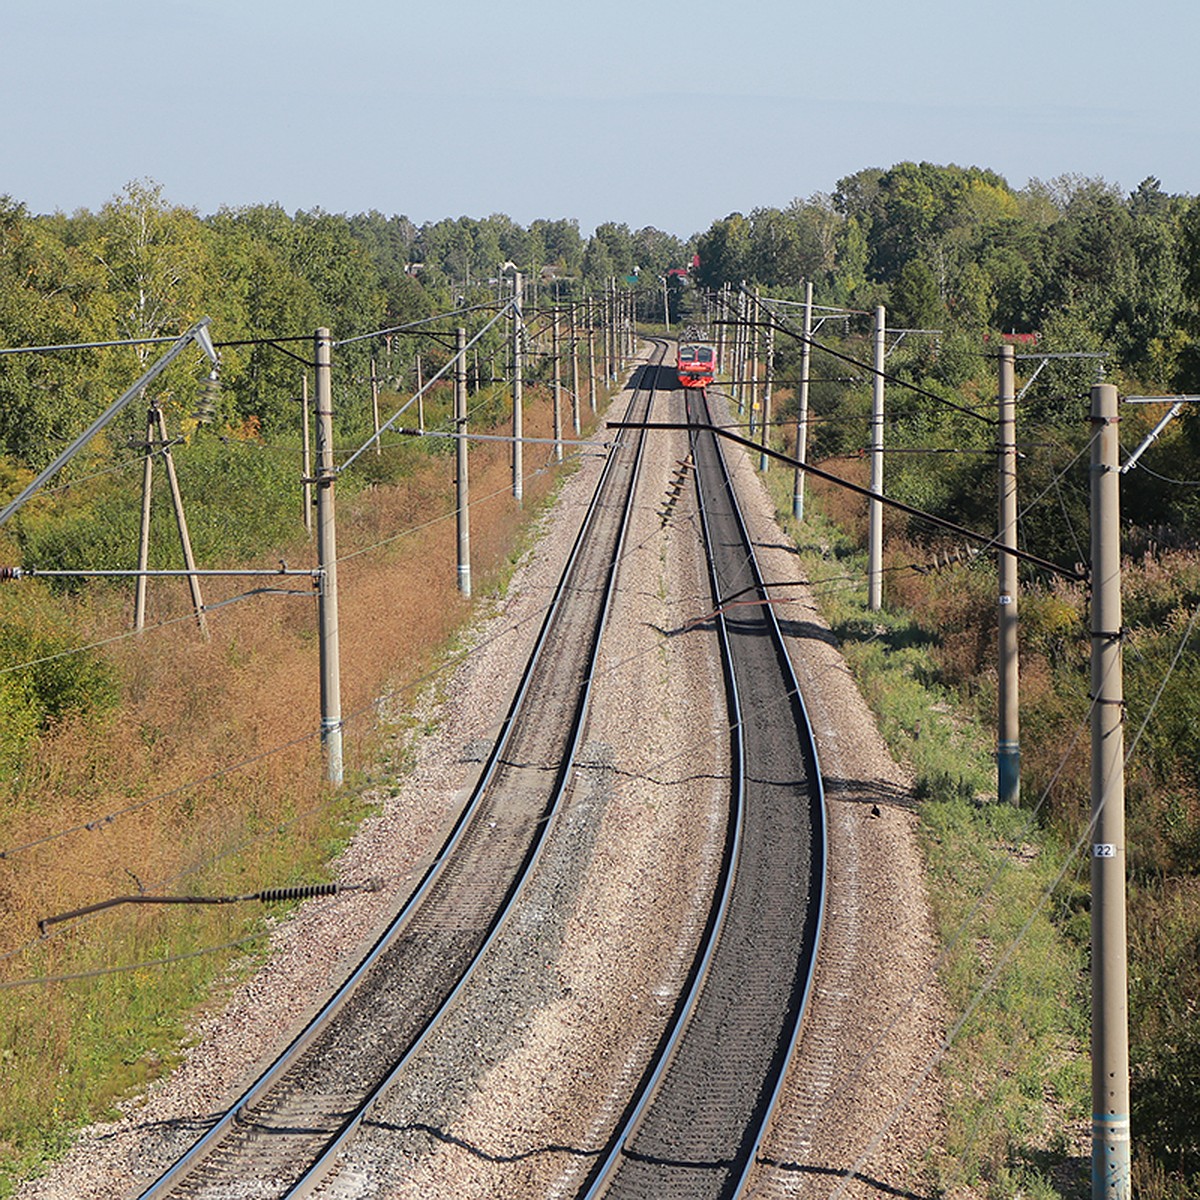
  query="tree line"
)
[
  {"x": 1073, "y": 260},
  {"x": 956, "y": 248}
]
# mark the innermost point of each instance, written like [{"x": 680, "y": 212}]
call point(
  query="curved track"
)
[
  {"x": 280, "y": 1138},
  {"x": 694, "y": 1129}
]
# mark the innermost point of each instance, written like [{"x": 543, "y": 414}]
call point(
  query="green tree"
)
[
  {"x": 158, "y": 261},
  {"x": 916, "y": 300},
  {"x": 724, "y": 252},
  {"x": 50, "y": 294}
]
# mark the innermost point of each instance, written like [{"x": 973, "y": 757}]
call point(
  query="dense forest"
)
[{"x": 1075, "y": 265}]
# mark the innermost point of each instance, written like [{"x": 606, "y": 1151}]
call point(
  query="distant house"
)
[{"x": 1016, "y": 339}]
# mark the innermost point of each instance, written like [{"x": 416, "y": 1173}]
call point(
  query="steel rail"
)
[
  {"x": 657, "y": 1176},
  {"x": 193, "y": 1159},
  {"x": 818, "y": 806}
]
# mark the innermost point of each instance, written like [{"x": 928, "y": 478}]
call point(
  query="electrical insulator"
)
[
  {"x": 206, "y": 401},
  {"x": 7, "y": 573}
]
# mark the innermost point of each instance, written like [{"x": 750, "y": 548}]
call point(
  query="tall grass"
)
[{"x": 205, "y": 777}]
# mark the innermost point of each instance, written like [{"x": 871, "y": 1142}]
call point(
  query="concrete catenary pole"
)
[
  {"x": 1110, "y": 1017},
  {"x": 722, "y": 325},
  {"x": 739, "y": 350},
  {"x": 610, "y": 330},
  {"x": 331, "y": 686},
  {"x": 591, "y": 328},
  {"x": 755, "y": 411},
  {"x": 802, "y": 406},
  {"x": 576, "y": 422},
  {"x": 306, "y": 456},
  {"x": 556, "y": 354},
  {"x": 518, "y": 421},
  {"x": 875, "y": 531},
  {"x": 1008, "y": 743},
  {"x": 764, "y": 460},
  {"x": 462, "y": 490}
]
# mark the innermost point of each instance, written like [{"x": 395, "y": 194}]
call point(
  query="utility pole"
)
[
  {"x": 518, "y": 422},
  {"x": 739, "y": 350},
  {"x": 575, "y": 418},
  {"x": 802, "y": 406},
  {"x": 156, "y": 427},
  {"x": 723, "y": 325},
  {"x": 764, "y": 460},
  {"x": 331, "y": 688},
  {"x": 666, "y": 306},
  {"x": 875, "y": 505},
  {"x": 1110, "y": 987},
  {"x": 609, "y": 330},
  {"x": 375, "y": 406},
  {"x": 556, "y": 353},
  {"x": 462, "y": 492},
  {"x": 307, "y": 456},
  {"x": 591, "y": 327},
  {"x": 755, "y": 412},
  {"x": 1008, "y": 745}
]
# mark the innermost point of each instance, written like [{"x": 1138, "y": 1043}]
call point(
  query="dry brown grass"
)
[{"x": 156, "y": 800}]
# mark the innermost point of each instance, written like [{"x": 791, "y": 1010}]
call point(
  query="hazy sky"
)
[{"x": 656, "y": 112}]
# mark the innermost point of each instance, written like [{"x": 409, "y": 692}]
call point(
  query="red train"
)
[{"x": 696, "y": 363}]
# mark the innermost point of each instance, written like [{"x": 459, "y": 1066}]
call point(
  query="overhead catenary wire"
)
[
  {"x": 441, "y": 371},
  {"x": 783, "y": 327},
  {"x": 423, "y": 321},
  {"x": 988, "y": 540}
]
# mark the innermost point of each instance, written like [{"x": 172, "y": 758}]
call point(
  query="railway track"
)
[
  {"x": 283, "y": 1134},
  {"x": 694, "y": 1127}
]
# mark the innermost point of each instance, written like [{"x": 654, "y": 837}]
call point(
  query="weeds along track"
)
[
  {"x": 694, "y": 1128},
  {"x": 281, "y": 1137}
]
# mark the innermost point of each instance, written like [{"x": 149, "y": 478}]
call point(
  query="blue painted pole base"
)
[
  {"x": 1008, "y": 773},
  {"x": 1110, "y": 1158}
]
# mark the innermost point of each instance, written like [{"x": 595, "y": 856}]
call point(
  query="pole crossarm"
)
[
  {"x": 198, "y": 333},
  {"x": 1043, "y": 359},
  {"x": 901, "y": 334},
  {"x": 987, "y": 540},
  {"x": 1152, "y": 436}
]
